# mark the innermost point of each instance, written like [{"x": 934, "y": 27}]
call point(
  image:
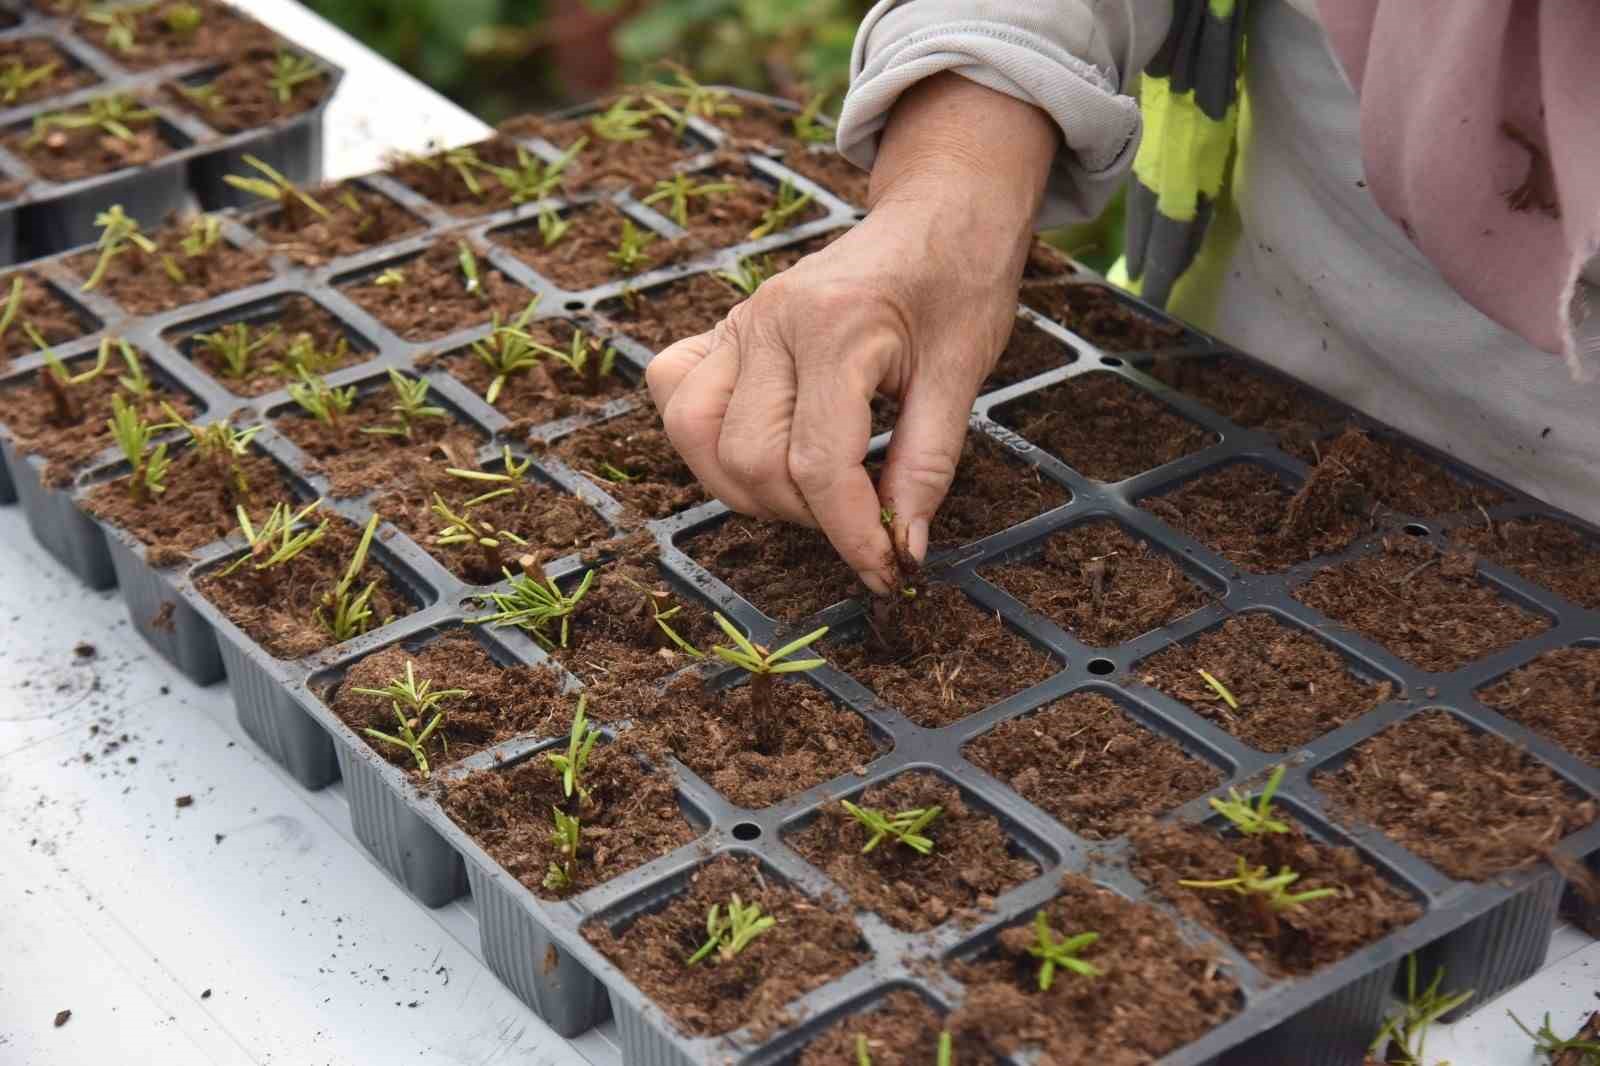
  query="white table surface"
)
[{"x": 251, "y": 927}]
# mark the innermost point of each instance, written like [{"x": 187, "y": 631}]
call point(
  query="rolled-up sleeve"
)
[{"x": 1070, "y": 58}]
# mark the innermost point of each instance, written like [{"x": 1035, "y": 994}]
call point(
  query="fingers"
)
[
  {"x": 923, "y": 454},
  {"x": 691, "y": 390},
  {"x": 756, "y": 429}
]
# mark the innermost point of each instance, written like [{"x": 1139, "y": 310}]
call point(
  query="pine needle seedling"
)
[
  {"x": 279, "y": 539},
  {"x": 206, "y": 96},
  {"x": 565, "y": 836},
  {"x": 507, "y": 350},
  {"x": 697, "y": 99},
  {"x": 511, "y": 479},
  {"x": 303, "y": 354},
  {"x": 323, "y": 402},
  {"x": 1253, "y": 819},
  {"x": 204, "y": 233},
  {"x": 535, "y": 606},
  {"x": 234, "y": 346},
  {"x": 1546, "y": 1042},
  {"x": 16, "y": 78},
  {"x": 349, "y": 613},
  {"x": 571, "y": 763},
  {"x": 469, "y": 271},
  {"x": 462, "y": 528},
  {"x": 365, "y": 220},
  {"x": 182, "y": 20},
  {"x": 630, "y": 254},
  {"x": 13, "y": 306},
  {"x": 749, "y": 274},
  {"x": 272, "y": 185},
  {"x": 622, "y": 122},
  {"x": 905, "y": 826},
  {"x": 410, "y": 407},
  {"x": 135, "y": 382},
  {"x": 118, "y": 233},
  {"x": 290, "y": 70},
  {"x": 678, "y": 190},
  {"x": 552, "y": 227},
  {"x": 1220, "y": 689},
  {"x": 945, "y": 1055},
  {"x": 805, "y": 124},
  {"x": 788, "y": 205},
  {"x": 393, "y": 277},
  {"x": 727, "y": 934},
  {"x": 115, "y": 116},
  {"x": 413, "y": 701},
  {"x": 1406, "y": 1029},
  {"x": 1062, "y": 954},
  {"x": 147, "y": 467},
  {"x": 120, "y": 25},
  {"x": 60, "y": 382},
  {"x": 655, "y": 599},
  {"x": 534, "y": 179},
  {"x": 589, "y": 358},
  {"x": 1268, "y": 895},
  {"x": 222, "y": 446},
  {"x": 762, "y": 666},
  {"x": 465, "y": 163}
]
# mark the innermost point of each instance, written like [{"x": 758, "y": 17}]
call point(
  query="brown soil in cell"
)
[
  {"x": 1155, "y": 992},
  {"x": 1428, "y": 608},
  {"x": 277, "y": 608},
  {"x": 945, "y": 659},
  {"x": 972, "y": 860},
  {"x": 1093, "y": 313},
  {"x": 545, "y": 392},
  {"x": 434, "y": 301},
  {"x": 630, "y": 816},
  {"x": 1089, "y": 765},
  {"x": 268, "y": 369},
  {"x": 579, "y": 259},
  {"x": 141, "y": 284},
  {"x": 67, "y": 155},
  {"x": 724, "y": 219},
  {"x": 667, "y": 314},
  {"x": 1103, "y": 427},
  {"x": 1358, "y": 474},
  {"x": 1295, "y": 941},
  {"x": 222, "y": 34},
  {"x": 1101, "y": 584},
  {"x": 1467, "y": 802},
  {"x": 1244, "y": 513},
  {"x": 833, "y": 172},
  {"x": 434, "y": 176},
  {"x": 658, "y": 483},
  {"x": 992, "y": 489},
  {"x": 789, "y": 572},
  {"x": 901, "y": 1030},
  {"x": 1544, "y": 551},
  {"x": 502, "y": 702},
  {"x": 244, "y": 100},
  {"x": 311, "y": 240},
  {"x": 606, "y": 164},
  {"x": 1557, "y": 696},
  {"x": 1253, "y": 400},
  {"x": 810, "y": 944},
  {"x": 42, "y": 308},
  {"x": 1045, "y": 263},
  {"x": 758, "y": 126},
  {"x": 1030, "y": 351},
  {"x": 31, "y": 53},
  {"x": 1290, "y": 687},
  {"x": 197, "y": 508},
  {"x": 69, "y": 438}
]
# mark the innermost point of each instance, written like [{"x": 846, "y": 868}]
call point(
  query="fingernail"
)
[
  {"x": 917, "y": 538},
  {"x": 874, "y": 583}
]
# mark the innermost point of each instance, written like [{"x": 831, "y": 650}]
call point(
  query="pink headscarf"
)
[{"x": 1480, "y": 135}]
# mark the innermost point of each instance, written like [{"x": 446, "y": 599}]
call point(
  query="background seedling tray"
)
[
  {"x": 47, "y": 216},
  {"x": 1488, "y": 935}
]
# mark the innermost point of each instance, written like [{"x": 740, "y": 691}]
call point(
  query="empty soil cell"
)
[
  {"x": 1155, "y": 992},
  {"x": 1091, "y": 767},
  {"x": 462, "y": 180},
  {"x": 1429, "y": 608},
  {"x": 809, "y": 944},
  {"x": 357, "y": 219},
  {"x": 788, "y": 572},
  {"x": 833, "y": 172},
  {"x": 43, "y": 308},
  {"x": 501, "y": 702},
  {"x": 141, "y": 284},
  {"x": 901, "y": 1029},
  {"x": 1469, "y": 803},
  {"x": 664, "y": 315},
  {"x": 69, "y": 436},
  {"x": 432, "y": 299},
  {"x": 1360, "y": 473},
  {"x": 1030, "y": 351},
  {"x": 1290, "y": 687},
  {"x": 1252, "y": 518},
  {"x": 972, "y": 861},
  {"x": 1543, "y": 551},
  {"x": 944, "y": 659},
  {"x": 1103, "y": 427},
  {"x": 1093, "y": 313},
  {"x": 631, "y": 459},
  {"x": 221, "y": 34},
  {"x": 1100, "y": 584},
  {"x": 57, "y": 73},
  {"x": 240, "y": 97},
  {"x": 1288, "y": 942},
  {"x": 278, "y": 608},
  {"x": 199, "y": 506},
  {"x": 629, "y": 816},
  {"x": 66, "y": 155},
  {"x": 271, "y": 338},
  {"x": 579, "y": 259},
  {"x": 603, "y": 163},
  {"x": 549, "y": 389},
  {"x": 992, "y": 490},
  {"x": 1557, "y": 696},
  {"x": 1253, "y": 400}
]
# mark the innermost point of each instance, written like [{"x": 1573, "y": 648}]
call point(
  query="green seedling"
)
[
  {"x": 552, "y": 227},
  {"x": 16, "y": 78},
  {"x": 1577, "y": 1050},
  {"x": 290, "y": 71},
  {"x": 147, "y": 467},
  {"x": 783, "y": 211},
  {"x": 465, "y": 163},
  {"x": 114, "y": 116},
  {"x": 614, "y": 474},
  {"x": 60, "y": 382},
  {"x": 572, "y": 763},
  {"x": 349, "y": 613},
  {"x": 729, "y": 934},
  {"x": 365, "y": 220},
  {"x": 589, "y": 358},
  {"x": 510, "y": 480},
  {"x": 393, "y": 277},
  {"x": 630, "y": 253},
  {"x": 182, "y": 20},
  {"x": 762, "y": 666},
  {"x": 622, "y": 122},
  {"x": 413, "y": 701},
  {"x": 905, "y": 826},
  {"x": 946, "y": 1053},
  {"x": 135, "y": 382},
  {"x": 1269, "y": 895},
  {"x": 234, "y": 346},
  {"x": 1406, "y": 1029},
  {"x": 223, "y": 447},
  {"x": 118, "y": 233},
  {"x": 302, "y": 354},
  {"x": 507, "y": 350},
  {"x": 469, "y": 271},
  {"x": 749, "y": 275},
  {"x": 207, "y": 97},
  {"x": 1220, "y": 689},
  {"x": 272, "y": 185},
  {"x": 1056, "y": 954},
  {"x": 534, "y": 607},
  {"x": 805, "y": 124},
  {"x": 697, "y": 99},
  {"x": 323, "y": 402},
  {"x": 279, "y": 539},
  {"x": 534, "y": 179},
  {"x": 458, "y": 529},
  {"x": 204, "y": 233},
  {"x": 565, "y": 836},
  {"x": 1257, "y": 819},
  {"x": 410, "y": 407},
  {"x": 13, "y": 306},
  {"x": 655, "y": 599},
  {"x": 120, "y": 25},
  {"x": 679, "y": 190}
]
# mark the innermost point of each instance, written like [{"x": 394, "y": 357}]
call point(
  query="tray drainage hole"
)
[
  {"x": 1110, "y": 360},
  {"x": 1102, "y": 667},
  {"x": 574, "y": 305},
  {"x": 1416, "y": 529},
  {"x": 746, "y": 831}
]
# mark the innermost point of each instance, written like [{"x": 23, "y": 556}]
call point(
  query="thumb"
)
[{"x": 923, "y": 453}]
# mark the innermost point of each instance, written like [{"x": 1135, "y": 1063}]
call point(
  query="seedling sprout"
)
[
  {"x": 572, "y": 763},
  {"x": 135, "y": 382},
  {"x": 13, "y": 306},
  {"x": 805, "y": 124},
  {"x": 118, "y": 231},
  {"x": 513, "y": 477},
  {"x": 630, "y": 253},
  {"x": 534, "y": 179},
  {"x": 1220, "y": 689},
  {"x": 321, "y": 401},
  {"x": 412, "y": 701},
  {"x": 762, "y": 666},
  {"x": 701, "y": 100},
  {"x": 233, "y": 345},
  {"x": 182, "y": 20},
  {"x": 730, "y": 933},
  {"x": 272, "y": 185},
  {"x": 17, "y": 78},
  {"x": 533, "y": 606},
  {"x": 507, "y": 350},
  {"x": 59, "y": 382},
  {"x": 552, "y": 227},
  {"x": 905, "y": 826},
  {"x": 393, "y": 277},
  {"x": 278, "y": 539},
  {"x": 565, "y": 836},
  {"x": 302, "y": 353},
  {"x": 678, "y": 190},
  {"x": 1553, "y": 1047},
  {"x": 465, "y": 162},
  {"x": 621, "y": 122},
  {"x": 1406, "y": 1029},
  {"x": 589, "y": 358},
  {"x": 120, "y": 28},
  {"x": 469, "y": 271},
  {"x": 410, "y": 407},
  {"x": 113, "y": 115},
  {"x": 1269, "y": 895},
  {"x": 749, "y": 275},
  {"x": 148, "y": 468},
  {"x": 221, "y": 445},
  {"x": 1056, "y": 954},
  {"x": 783, "y": 211},
  {"x": 464, "y": 529},
  {"x": 290, "y": 71},
  {"x": 1253, "y": 820},
  {"x": 946, "y": 1053},
  {"x": 654, "y": 598},
  {"x": 349, "y": 613}
]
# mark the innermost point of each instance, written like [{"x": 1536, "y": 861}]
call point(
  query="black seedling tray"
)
[
  {"x": 1488, "y": 936},
  {"x": 46, "y": 216}
]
